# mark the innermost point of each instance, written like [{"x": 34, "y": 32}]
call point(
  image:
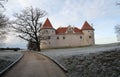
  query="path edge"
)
[
  {"x": 11, "y": 65},
  {"x": 55, "y": 61}
]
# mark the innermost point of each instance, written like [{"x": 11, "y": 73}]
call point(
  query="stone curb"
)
[
  {"x": 56, "y": 62},
  {"x": 8, "y": 67}
]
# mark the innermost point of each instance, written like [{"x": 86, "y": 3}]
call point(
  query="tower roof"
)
[
  {"x": 86, "y": 26},
  {"x": 47, "y": 24}
]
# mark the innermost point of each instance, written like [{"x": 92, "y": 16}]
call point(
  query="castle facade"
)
[{"x": 66, "y": 36}]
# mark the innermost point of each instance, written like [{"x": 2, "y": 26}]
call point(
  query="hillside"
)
[{"x": 95, "y": 61}]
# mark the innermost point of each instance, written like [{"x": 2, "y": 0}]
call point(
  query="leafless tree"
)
[
  {"x": 118, "y": 3},
  {"x": 27, "y": 24},
  {"x": 4, "y": 21},
  {"x": 117, "y": 27},
  {"x": 117, "y": 31},
  {"x": 2, "y": 4}
]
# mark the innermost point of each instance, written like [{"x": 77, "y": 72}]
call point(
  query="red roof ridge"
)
[
  {"x": 62, "y": 30},
  {"x": 77, "y": 30},
  {"x": 47, "y": 24},
  {"x": 87, "y": 26}
]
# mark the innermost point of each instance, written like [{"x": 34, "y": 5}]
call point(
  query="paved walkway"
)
[{"x": 35, "y": 65}]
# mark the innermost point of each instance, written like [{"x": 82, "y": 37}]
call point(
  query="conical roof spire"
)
[
  {"x": 47, "y": 24},
  {"x": 86, "y": 26}
]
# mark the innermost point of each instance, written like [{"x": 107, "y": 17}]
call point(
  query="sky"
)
[{"x": 103, "y": 14}]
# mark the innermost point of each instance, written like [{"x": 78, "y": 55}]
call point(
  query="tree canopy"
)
[{"x": 27, "y": 24}]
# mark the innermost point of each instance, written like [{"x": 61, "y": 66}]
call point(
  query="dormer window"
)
[{"x": 70, "y": 30}]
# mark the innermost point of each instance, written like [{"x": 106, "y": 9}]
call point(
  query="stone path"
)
[{"x": 35, "y": 65}]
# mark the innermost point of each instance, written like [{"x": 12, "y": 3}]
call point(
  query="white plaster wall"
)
[
  {"x": 71, "y": 40},
  {"x": 48, "y": 32},
  {"x": 87, "y": 40}
]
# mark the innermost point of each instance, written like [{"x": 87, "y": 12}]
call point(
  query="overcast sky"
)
[{"x": 103, "y": 14}]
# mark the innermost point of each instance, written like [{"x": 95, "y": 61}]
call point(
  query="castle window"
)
[
  {"x": 90, "y": 37},
  {"x": 49, "y": 37},
  {"x": 57, "y": 37},
  {"x": 46, "y": 31},
  {"x": 80, "y": 37},
  {"x": 63, "y": 37}
]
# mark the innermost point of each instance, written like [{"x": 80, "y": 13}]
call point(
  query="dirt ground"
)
[{"x": 35, "y": 65}]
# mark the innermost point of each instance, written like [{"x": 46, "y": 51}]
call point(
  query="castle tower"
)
[
  {"x": 88, "y": 34},
  {"x": 48, "y": 33},
  {"x": 47, "y": 28}
]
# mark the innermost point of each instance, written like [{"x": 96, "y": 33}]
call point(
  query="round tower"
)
[
  {"x": 47, "y": 32},
  {"x": 88, "y": 34}
]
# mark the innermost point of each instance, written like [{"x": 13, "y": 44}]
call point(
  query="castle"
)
[{"x": 66, "y": 36}]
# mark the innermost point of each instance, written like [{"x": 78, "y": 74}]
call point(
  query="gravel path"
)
[{"x": 35, "y": 65}]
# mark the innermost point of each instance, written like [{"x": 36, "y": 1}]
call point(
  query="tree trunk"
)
[
  {"x": 38, "y": 46},
  {"x": 37, "y": 43}
]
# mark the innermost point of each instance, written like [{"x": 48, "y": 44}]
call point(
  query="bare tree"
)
[
  {"x": 4, "y": 21},
  {"x": 117, "y": 27},
  {"x": 117, "y": 3},
  {"x": 117, "y": 31},
  {"x": 2, "y": 4},
  {"x": 27, "y": 24}
]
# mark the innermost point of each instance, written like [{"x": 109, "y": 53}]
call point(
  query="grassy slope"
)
[{"x": 104, "y": 64}]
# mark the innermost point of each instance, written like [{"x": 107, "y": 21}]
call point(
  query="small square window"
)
[
  {"x": 90, "y": 37},
  {"x": 80, "y": 37},
  {"x": 57, "y": 37},
  {"x": 63, "y": 37},
  {"x": 46, "y": 31},
  {"x": 49, "y": 37}
]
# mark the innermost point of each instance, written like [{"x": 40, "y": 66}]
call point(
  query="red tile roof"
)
[
  {"x": 77, "y": 30},
  {"x": 62, "y": 30},
  {"x": 47, "y": 24},
  {"x": 86, "y": 26}
]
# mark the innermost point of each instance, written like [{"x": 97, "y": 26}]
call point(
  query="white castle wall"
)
[
  {"x": 88, "y": 37},
  {"x": 70, "y": 40}
]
